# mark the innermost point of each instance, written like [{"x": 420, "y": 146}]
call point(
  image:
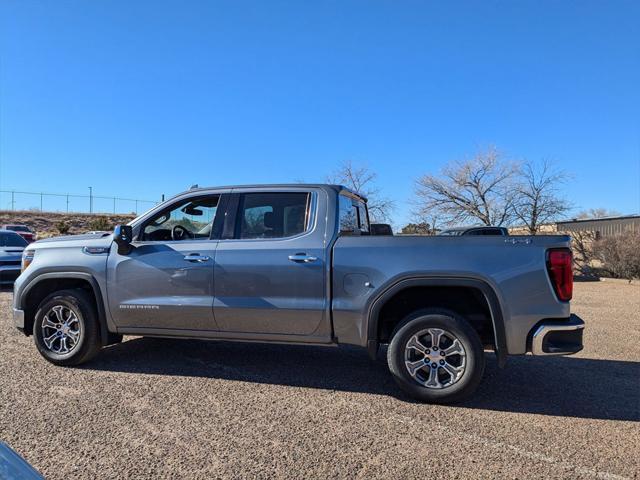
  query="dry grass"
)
[{"x": 45, "y": 224}]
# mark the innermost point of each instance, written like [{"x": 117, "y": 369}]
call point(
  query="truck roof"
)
[{"x": 336, "y": 187}]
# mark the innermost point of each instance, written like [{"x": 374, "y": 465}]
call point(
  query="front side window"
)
[
  {"x": 273, "y": 215},
  {"x": 190, "y": 219}
]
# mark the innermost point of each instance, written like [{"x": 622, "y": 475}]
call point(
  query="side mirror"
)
[
  {"x": 380, "y": 229},
  {"x": 122, "y": 235}
]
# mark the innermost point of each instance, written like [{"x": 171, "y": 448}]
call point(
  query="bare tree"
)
[
  {"x": 620, "y": 255},
  {"x": 538, "y": 200},
  {"x": 597, "y": 213},
  {"x": 480, "y": 189},
  {"x": 362, "y": 181},
  {"x": 582, "y": 245}
]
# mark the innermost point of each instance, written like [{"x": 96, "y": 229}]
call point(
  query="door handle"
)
[
  {"x": 302, "y": 258},
  {"x": 196, "y": 257}
]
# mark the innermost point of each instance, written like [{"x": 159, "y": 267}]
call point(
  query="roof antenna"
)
[{"x": 195, "y": 185}]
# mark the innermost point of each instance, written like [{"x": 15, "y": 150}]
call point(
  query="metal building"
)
[{"x": 602, "y": 227}]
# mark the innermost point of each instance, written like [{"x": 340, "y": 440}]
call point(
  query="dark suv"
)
[{"x": 456, "y": 232}]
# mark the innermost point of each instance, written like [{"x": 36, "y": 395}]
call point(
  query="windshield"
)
[{"x": 8, "y": 239}]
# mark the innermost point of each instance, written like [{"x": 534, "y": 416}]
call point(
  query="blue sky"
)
[{"x": 137, "y": 99}]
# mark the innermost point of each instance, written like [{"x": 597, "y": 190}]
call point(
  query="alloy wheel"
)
[
  {"x": 435, "y": 358},
  {"x": 61, "y": 329}
]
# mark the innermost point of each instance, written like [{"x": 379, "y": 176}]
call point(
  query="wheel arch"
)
[
  {"x": 489, "y": 294},
  {"x": 37, "y": 289}
]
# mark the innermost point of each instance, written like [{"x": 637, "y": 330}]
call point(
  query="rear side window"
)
[{"x": 273, "y": 215}]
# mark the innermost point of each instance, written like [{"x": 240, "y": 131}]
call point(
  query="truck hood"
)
[{"x": 85, "y": 240}]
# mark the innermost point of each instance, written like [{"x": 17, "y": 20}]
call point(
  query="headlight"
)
[{"x": 27, "y": 258}]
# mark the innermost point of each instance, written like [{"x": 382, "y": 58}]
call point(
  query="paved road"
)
[{"x": 168, "y": 408}]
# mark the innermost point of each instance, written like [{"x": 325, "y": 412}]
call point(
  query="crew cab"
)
[{"x": 298, "y": 264}]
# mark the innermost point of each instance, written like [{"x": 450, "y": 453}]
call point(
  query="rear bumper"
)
[{"x": 558, "y": 337}]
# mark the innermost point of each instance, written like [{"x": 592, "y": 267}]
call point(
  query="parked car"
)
[
  {"x": 22, "y": 230},
  {"x": 380, "y": 229},
  {"x": 456, "y": 232},
  {"x": 14, "y": 467},
  {"x": 11, "y": 247},
  {"x": 297, "y": 264}
]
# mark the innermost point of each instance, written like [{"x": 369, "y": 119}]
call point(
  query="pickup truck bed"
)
[{"x": 509, "y": 273}]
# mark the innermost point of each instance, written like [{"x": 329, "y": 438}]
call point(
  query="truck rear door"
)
[{"x": 270, "y": 274}]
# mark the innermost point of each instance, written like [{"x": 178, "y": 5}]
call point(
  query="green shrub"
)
[
  {"x": 62, "y": 227},
  {"x": 100, "y": 223}
]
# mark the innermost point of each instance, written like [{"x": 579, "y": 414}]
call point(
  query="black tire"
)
[
  {"x": 453, "y": 324},
  {"x": 88, "y": 343}
]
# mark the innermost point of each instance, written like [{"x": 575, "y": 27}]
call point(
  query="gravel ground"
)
[{"x": 193, "y": 409}]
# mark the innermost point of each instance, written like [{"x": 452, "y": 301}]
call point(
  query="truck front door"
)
[{"x": 166, "y": 281}]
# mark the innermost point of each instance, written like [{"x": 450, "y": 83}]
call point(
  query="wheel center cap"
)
[{"x": 435, "y": 356}]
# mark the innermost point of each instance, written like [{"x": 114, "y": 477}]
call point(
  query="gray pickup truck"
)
[{"x": 297, "y": 264}]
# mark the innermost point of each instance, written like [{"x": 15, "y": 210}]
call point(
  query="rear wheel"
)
[
  {"x": 66, "y": 330},
  {"x": 436, "y": 356}
]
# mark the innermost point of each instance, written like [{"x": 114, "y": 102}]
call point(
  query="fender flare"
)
[
  {"x": 102, "y": 317},
  {"x": 489, "y": 293}
]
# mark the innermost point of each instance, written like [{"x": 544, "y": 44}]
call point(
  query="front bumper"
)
[
  {"x": 558, "y": 337},
  {"x": 18, "y": 318}
]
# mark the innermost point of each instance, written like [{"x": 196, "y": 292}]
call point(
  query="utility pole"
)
[
  {"x": 67, "y": 203},
  {"x": 40, "y": 201},
  {"x": 90, "y": 199},
  {"x": 114, "y": 204},
  {"x": 13, "y": 202}
]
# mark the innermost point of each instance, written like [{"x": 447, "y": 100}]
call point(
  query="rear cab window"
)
[{"x": 353, "y": 218}]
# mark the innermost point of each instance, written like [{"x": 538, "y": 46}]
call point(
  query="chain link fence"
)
[{"x": 72, "y": 203}]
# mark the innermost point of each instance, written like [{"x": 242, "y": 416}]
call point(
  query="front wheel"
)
[
  {"x": 65, "y": 328},
  {"x": 436, "y": 356}
]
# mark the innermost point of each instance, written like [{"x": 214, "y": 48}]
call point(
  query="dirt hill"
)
[{"x": 50, "y": 224}]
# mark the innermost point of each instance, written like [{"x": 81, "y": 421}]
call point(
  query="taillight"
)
[{"x": 559, "y": 267}]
